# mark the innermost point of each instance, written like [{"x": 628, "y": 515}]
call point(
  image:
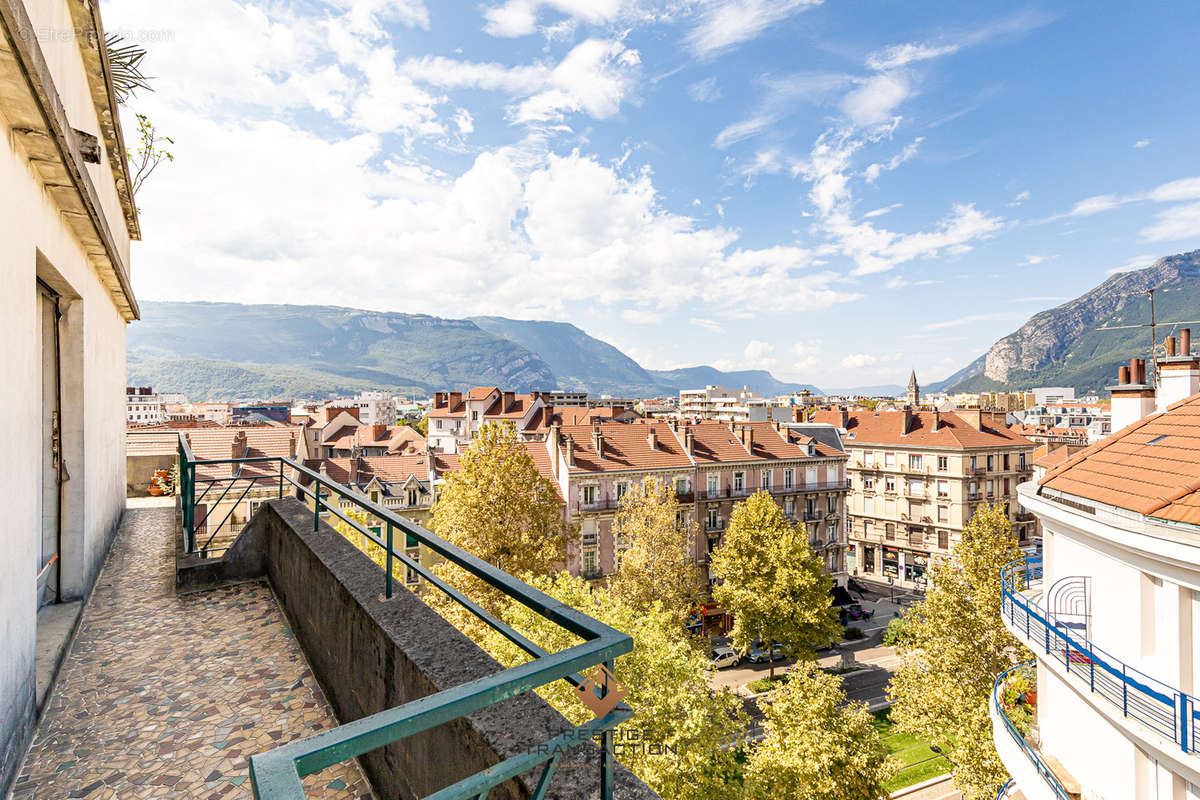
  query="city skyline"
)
[{"x": 746, "y": 184}]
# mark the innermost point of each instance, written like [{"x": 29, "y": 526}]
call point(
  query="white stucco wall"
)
[{"x": 35, "y": 241}]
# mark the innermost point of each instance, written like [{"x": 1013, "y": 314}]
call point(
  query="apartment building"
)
[
  {"x": 143, "y": 406},
  {"x": 1110, "y": 608},
  {"x": 725, "y": 405},
  {"x": 374, "y": 407},
  {"x": 66, "y": 220},
  {"x": 455, "y": 417},
  {"x": 917, "y": 477},
  {"x": 712, "y": 466}
]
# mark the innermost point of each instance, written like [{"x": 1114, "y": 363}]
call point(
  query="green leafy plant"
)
[
  {"x": 893, "y": 634},
  {"x": 151, "y": 151},
  {"x": 125, "y": 67}
]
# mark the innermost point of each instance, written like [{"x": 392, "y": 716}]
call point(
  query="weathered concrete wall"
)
[
  {"x": 140, "y": 469},
  {"x": 372, "y": 654}
]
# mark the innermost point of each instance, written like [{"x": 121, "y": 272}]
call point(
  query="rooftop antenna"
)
[{"x": 1152, "y": 325}]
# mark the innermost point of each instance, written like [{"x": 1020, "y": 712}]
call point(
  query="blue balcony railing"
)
[
  {"x": 1163, "y": 709},
  {"x": 276, "y": 774},
  {"x": 1034, "y": 757}
]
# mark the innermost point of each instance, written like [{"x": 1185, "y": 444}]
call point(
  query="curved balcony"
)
[
  {"x": 1163, "y": 710},
  {"x": 1029, "y": 768}
]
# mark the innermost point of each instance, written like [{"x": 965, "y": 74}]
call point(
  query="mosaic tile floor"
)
[{"x": 165, "y": 696}]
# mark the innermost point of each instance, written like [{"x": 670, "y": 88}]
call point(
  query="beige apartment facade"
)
[{"x": 917, "y": 477}]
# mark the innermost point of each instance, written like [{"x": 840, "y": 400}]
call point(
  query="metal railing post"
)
[
  {"x": 317, "y": 506},
  {"x": 1124, "y": 693},
  {"x": 281, "y": 479},
  {"x": 1183, "y": 722},
  {"x": 606, "y": 746},
  {"x": 387, "y": 592}
]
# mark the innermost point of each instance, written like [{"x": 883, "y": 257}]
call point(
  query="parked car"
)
[
  {"x": 855, "y": 611},
  {"x": 760, "y": 655},
  {"x": 722, "y": 657}
]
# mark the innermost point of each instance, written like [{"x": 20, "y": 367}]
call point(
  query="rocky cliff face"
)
[{"x": 1063, "y": 342}]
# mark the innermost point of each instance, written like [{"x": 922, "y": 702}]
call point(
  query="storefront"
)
[
  {"x": 868, "y": 564},
  {"x": 891, "y": 562},
  {"x": 917, "y": 563},
  {"x": 851, "y": 560}
]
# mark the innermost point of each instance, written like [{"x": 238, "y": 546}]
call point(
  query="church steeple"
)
[{"x": 914, "y": 390}]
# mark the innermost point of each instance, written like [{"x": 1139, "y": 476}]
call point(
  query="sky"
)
[{"x": 838, "y": 192}]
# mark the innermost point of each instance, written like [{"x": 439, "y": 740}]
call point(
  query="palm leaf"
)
[{"x": 125, "y": 67}]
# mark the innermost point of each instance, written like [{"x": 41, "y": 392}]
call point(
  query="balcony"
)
[
  {"x": 238, "y": 685},
  {"x": 1162, "y": 713},
  {"x": 1014, "y": 729},
  {"x": 601, "y": 503}
]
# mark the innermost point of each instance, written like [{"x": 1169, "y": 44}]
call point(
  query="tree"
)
[
  {"x": 772, "y": 582},
  {"x": 151, "y": 151},
  {"x": 497, "y": 506},
  {"x": 421, "y": 425},
  {"x": 953, "y": 648},
  {"x": 657, "y": 562},
  {"x": 677, "y": 740},
  {"x": 816, "y": 746}
]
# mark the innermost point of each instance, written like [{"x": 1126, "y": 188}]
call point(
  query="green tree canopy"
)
[
  {"x": 953, "y": 648},
  {"x": 656, "y": 561},
  {"x": 772, "y": 582},
  {"x": 816, "y": 746}
]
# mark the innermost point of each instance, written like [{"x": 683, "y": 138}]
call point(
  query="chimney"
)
[
  {"x": 508, "y": 399},
  {"x": 617, "y": 411},
  {"x": 439, "y": 399},
  {"x": 292, "y": 445},
  {"x": 453, "y": 398},
  {"x": 971, "y": 416},
  {"x": 844, "y": 417},
  {"x": 1131, "y": 400},
  {"x": 937, "y": 419},
  {"x": 354, "y": 466},
  {"x": 905, "y": 420},
  {"x": 1178, "y": 374},
  {"x": 652, "y": 439},
  {"x": 570, "y": 452},
  {"x": 238, "y": 446},
  {"x": 1122, "y": 375},
  {"x": 1185, "y": 341},
  {"x": 689, "y": 441},
  {"x": 598, "y": 441}
]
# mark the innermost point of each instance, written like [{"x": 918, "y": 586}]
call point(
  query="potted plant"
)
[{"x": 160, "y": 485}]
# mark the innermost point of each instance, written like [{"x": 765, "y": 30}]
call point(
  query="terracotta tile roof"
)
[
  {"x": 884, "y": 428},
  {"x": 515, "y": 410},
  {"x": 1151, "y": 467},
  {"x": 714, "y": 443},
  {"x": 207, "y": 443},
  {"x": 459, "y": 409},
  {"x": 143, "y": 442},
  {"x": 1049, "y": 458},
  {"x": 626, "y": 447},
  {"x": 482, "y": 392}
]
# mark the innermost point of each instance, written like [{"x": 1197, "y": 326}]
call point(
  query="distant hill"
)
[
  {"x": 229, "y": 350},
  {"x": 1062, "y": 346}
]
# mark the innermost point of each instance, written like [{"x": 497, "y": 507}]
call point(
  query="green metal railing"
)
[{"x": 276, "y": 774}]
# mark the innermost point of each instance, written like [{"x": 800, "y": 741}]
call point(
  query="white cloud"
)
[
  {"x": 1020, "y": 198},
  {"x": 1033, "y": 261},
  {"x": 1137, "y": 262},
  {"x": 879, "y": 212},
  {"x": 1094, "y": 205},
  {"x": 723, "y": 24},
  {"x": 739, "y": 131},
  {"x": 707, "y": 324},
  {"x": 641, "y": 316},
  {"x": 863, "y": 360},
  {"x": 900, "y": 55},
  {"x": 1180, "y": 222},
  {"x": 519, "y": 17},
  {"x": 873, "y": 171},
  {"x": 807, "y": 355},
  {"x": 451, "y": 73},
  {"x": 595, "y": 77},
  {"x": 759, "y": 355},
  {"x": 705, "y": 91},
  {"x": 876, "y": 98},
  {"x": 1183, "y": 189},
  {"x": 1140, "y": 143},
  {"x": 970, "y": 318}
]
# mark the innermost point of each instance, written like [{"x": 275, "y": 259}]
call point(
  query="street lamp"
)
[{"x": 942, "y": 753}]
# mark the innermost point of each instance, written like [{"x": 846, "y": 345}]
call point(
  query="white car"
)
[{"x": 722, "y": 657}]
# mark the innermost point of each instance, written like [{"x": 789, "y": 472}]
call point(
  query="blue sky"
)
[{"x": 835, "y": 191}]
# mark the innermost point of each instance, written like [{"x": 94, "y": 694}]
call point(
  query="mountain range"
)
[
  {"x": 228, "y": 350},
  {"x": 1070, "y": 346}
]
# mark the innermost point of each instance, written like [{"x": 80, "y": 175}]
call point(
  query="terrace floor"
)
[{"x": 166, "y": 696}]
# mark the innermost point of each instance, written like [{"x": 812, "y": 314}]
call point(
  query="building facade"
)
[
  {"x": 916, "y": 478},
  {"x": 66, "y": 221},
  {"x": 1111, "y": 607},
  {"x": 725, "y": 405},
  {"x": 143, "y": 406}
]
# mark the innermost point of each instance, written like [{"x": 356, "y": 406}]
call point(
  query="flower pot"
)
[
  {"x": 1031, "y": 698},
  {"x": 155, "y": 490},
  {"x": 160, "y": 473}
]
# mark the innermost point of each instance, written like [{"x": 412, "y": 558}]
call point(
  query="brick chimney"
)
[
  {"x": 905, "y": 420},
  {"x": 440, "y": 399},
  {"x": 506, "y": 400},
  {"x": 570, "y": 451},
  {"x": 292, "y": 445},
  {"x": 1178, "y": 373},
  {"x": 353, "y": 467},
  {"x": 689, "y": 441},
  {"x": 652, "y": 439},
  {"x": 1132, "y": 397},
  {"x": 937, "y": 419},
  {"x": 598, "y": 441},
  {"x": 971, "y": 416}
]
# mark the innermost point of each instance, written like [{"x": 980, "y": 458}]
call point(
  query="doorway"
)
[{"x": 49, "y": 581}]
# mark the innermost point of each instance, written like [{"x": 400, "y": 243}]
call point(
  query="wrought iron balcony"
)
[
  {"x": 275, "y": 774},
  {"x": 1035, "y": 758}
]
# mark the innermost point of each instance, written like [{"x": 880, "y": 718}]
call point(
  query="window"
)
[
  {"x": 1006, "y": 484},
  {"x": 1021, "y": 461},
  {"x": 788, "y": 478},
  {"x": 789, "y": 507},
  {"x": 868, "y": 481},
  {"x": 711, "y": 522},
  {"x": 622, "y": 489},
  {"x": 943, "y": 463},
  {"x": 412, "y": 497},
  {"x": 869, "y": 458},
  {"x": 810, "y": 508},
  {"x": 474, "y": 416},
  {"x": 714, "y": 483},
  {"x": 974, "y": 463},
  {"x": 889, "y": 484},
  {"x": 587, "y": 534},
  {"x": 889, "y": 531},
  {"x": 1006, "y": 456},
  {"x": 889, "y": 459},
  {"x": 831, "y": 504},
  {"x": 943, "y": 488},
  {"x": 374, "y": 495},
  {"x": 943, "y": 514},
  {"x": 831, "y": 475},
  {"x": 916, "y": 487},
  {"x": 914, "y": 461},
  {"x": 991, "y": 487},
  {"x": 766, "y": 479},
  {"x": 889, "y": 507},
  {"x": 868, "y": 505},
  {"x": 739, "y": 482},
  {"x": 810, "y": 476},
  {"x": 410, "y": 541},
  {"x": 944, "y": 540},
  {"x": 831, "y": 531},
  {"x": 991, "y": 463},
  {"x": 681, "y": 485},
  {"x": 868, "y": 525},
  {"x": 589, "y": 495},
  {"x": 589, "y": 562}
]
